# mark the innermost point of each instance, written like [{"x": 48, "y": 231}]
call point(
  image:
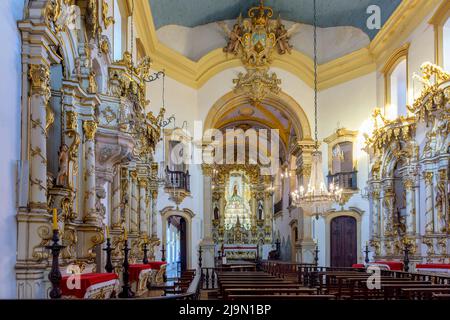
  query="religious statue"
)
[
  {"x": 92, "y": 83},
  {"x": 63, "y": 171},
  {"x": 260, "y": 211},
  {"x": 216, "y": 213}
]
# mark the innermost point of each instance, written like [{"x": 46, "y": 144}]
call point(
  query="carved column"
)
[
  {"x": 429, "y": 209},
  {"x": 90, "y": 212},
  {"x": 39, "y": 76},
  {"x": 388, "y": 211},
  {"x": 410, "y": 207},
  {"x": 115, "y": 215},
  {"x": 154, "y": 224},
  {"x": 134, "y": 227},
  {"x": 441, "y": 202},
  {"x": 142, "y": 206},
  {"x": 376, "y": 213}
]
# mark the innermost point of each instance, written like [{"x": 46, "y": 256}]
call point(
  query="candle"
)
[
  {"x": 107, "y": 232},
  {"x": 55, "y": 219}
]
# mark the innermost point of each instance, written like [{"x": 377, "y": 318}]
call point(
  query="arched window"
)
[
  {"x": 398, "y": 90},
  {"x": 446, "y": 45},
  {"x": 120, "y": 30}
]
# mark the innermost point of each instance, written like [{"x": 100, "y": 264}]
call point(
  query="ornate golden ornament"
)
[
  {"x": 90, "y": 128},
  {"x": 254, "y": 40},
  {"x": 39, "y": 76},
  {"x": 107, "y": 21},
  {"x": 93, "y": 87}
]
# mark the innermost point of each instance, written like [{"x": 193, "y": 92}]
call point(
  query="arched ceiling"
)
[{"x": 331, "y": 13}]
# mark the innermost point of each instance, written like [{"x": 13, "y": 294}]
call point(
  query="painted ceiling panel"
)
[{"x": 331, "y": 13}]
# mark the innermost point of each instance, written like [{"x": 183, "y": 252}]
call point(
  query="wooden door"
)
[{"x": 343, "y": 242}]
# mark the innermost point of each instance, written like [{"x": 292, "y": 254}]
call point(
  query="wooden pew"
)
[
  {"x": 268, "y": 291},
  {"x": 281, "y": 297}
]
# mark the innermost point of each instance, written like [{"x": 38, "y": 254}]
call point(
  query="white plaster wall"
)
[
  {"x": 10, "y": 91},
  {"x": 180, "y": 101}
]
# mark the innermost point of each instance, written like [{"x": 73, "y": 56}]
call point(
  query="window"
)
[
  {"x": 446, "y": 46},
  {"x": 398, "y": 91},
  {"x": 120, "y": 30},
  {"x": 342, "y": 165},
  {"x": 441, "y": 25},
  {"x": 396, "y": 83}
]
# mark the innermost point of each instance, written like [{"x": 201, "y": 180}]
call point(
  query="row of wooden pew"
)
[{"x": 304, "y": 282}]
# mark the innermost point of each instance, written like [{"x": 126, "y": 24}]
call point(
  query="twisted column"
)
[
  {"x": 142, "y": 206},
  {"x": 134, "y": 205},
  {"x": 376, "y": 213},
  {"x": 39, "y": 76},
  {"x": 410, "y": 207},
  {"x": 89, "y": 128},
  {"x": 429, "y": 209},
  {"x": 154, "y": 225}
]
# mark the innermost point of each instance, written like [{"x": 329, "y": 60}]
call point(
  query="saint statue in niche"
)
[
  {"x": 63, "y": 171},
  {"x": 216, "y": 213},
  {"x": 260, "y": 210}
]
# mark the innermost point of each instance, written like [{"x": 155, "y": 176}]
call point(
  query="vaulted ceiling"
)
[{"x": 331, "y": 13}]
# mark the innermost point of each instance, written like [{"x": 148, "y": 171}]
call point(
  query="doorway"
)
[
  {"x": 343, "y": 238},
  {"x": 176, "y": 244}
]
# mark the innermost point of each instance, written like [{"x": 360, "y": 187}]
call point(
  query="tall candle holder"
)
[
  {"x": 406, "y": 252},
  {"x": 126, "y": 288},
  {"x": 55, "y": 274},
  {"x": 109, "y": 266},
  {"x": 163, "y": 253},
  {"x": 145, "y": 259},
  {"x": 316, "y": 256},
  {"x": 366, "y": 253}
]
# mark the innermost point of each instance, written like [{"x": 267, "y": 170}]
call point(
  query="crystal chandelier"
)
[{"x": 317, "y": 198}]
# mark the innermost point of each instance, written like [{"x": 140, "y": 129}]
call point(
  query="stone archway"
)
[{"x": 187, "y": 215}]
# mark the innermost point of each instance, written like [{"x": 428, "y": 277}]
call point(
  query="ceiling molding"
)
[{"x": 408, "y": 15}]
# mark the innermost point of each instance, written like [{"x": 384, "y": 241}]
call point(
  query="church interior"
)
[{"x": 225, "y": 150}]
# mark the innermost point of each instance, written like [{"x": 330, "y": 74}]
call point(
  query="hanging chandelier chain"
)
[{"x": 315, "y": 78}]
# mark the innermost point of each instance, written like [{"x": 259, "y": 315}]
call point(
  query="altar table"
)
[
  {"x": 91, "y": 286},
  {"x": 433, "y": 267},
  {"x": 388, "y": 265},
  {"x": 142, "y": 274}
]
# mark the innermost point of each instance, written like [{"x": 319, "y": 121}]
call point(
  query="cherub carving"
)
[
  {"x": 234, "y": 36},
  {"x": 283, "y": 36}
]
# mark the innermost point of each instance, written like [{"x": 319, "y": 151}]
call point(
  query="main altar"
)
[{"x": 242, "y": 212}]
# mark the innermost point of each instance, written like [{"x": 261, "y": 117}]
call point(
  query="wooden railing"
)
[
  {"x": 344, "y": 180},
  {"x": 178, "y": 180},
  {"x": 209, "y": 278}
]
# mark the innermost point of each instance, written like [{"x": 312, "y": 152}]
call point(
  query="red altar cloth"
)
[
  {"x": 358, "y": 266},
  {"x": 86, "y": 281},
  {"x": 135, "y": 269},
  {"x": 433, "y": 266},
  {"x": 393, "y": 265}
]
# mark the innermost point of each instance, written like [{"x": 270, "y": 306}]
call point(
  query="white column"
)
[
  {"x": 429, "y": 209},
  {"x": 90, "y": 213},
  {"x": 410, "y": 207},
  {"x": 142, "y": 206},
  {"x": 207, "y": 207},
  {"x": 40, "y": 95}
]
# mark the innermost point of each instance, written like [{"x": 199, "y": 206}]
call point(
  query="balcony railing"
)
[
  {"x": 178, "y": 180},
  {"x": 344, "y": 180}
]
